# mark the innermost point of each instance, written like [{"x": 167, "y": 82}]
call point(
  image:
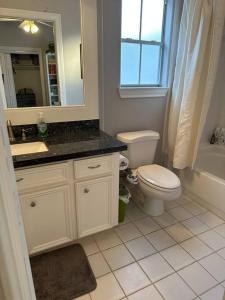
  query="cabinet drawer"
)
[
  {"x": 36, "y": 177},
  {"x": 91, "y": 167}
]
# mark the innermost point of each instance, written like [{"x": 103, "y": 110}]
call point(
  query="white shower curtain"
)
[{"x": 200, "y": 37}]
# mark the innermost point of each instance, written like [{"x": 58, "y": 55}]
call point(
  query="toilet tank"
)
[{"x": 141, "y": 146}]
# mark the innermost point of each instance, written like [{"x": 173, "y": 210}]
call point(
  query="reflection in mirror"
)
[{"x": 29, "y": 64}]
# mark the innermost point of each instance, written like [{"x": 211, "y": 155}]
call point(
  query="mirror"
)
[{"x": 36, "y": 71}]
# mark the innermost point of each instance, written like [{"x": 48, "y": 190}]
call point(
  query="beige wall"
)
[
  {"x": 216, "y": 114},
  {"x": 70, "y": 13},
  {"x": 221, "y": 78},
  {"x": 1, "y": 292},
  {"x": 222, "y": 85}
]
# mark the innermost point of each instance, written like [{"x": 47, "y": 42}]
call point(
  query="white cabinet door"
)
[
  {"x": 47, "y": 217},
  {"x": 93, "y": 200}
]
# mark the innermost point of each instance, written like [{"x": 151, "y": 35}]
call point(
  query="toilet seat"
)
[{"x": 158, "y": 178}]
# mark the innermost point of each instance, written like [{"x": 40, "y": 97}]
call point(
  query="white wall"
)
[
  {"x": 70, "y": 12},
  {"x": 121, "y": 114}
]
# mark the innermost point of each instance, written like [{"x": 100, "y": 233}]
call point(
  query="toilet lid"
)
[{"x": 159, "y": 176}]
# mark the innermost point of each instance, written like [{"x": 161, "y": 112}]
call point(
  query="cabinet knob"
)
[
  {"x": 33, "y": 204},
  {"x": 86, "y": 190}
]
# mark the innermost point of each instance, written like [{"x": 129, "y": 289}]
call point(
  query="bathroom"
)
[{"x": 138, "y": 82}]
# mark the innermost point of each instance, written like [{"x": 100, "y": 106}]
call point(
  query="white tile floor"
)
[{"x": 179, "y": 255}]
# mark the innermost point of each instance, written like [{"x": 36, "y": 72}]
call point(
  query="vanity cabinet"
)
[
  {"x": 47, "y": 203},
  {"x": 47, "y": 219},
  {"x": 64, "y": 201},
  {"x": 96, "y": 181},
  {"x": 93, "y": 199}
]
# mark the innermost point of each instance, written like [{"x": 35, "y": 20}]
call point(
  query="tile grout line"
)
[
  {"x": 218, "y": 284},
  {"x": 158, "y": 251},
  {"x": 179, "y": 243},
  {"x": 135, "y": 261},
  {"x": 112, "y": 272},
  {"x": 174, "y": 272},
  {"x": 153, "y": 283}
]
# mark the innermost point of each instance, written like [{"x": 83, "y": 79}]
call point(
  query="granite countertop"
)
[{"x": 69, "y": 143}]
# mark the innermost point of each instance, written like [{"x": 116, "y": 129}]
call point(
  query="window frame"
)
[{"x": 141, "y": 42}]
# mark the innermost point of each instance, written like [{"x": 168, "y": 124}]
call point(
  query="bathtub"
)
[{"x": 206, "y": 183}]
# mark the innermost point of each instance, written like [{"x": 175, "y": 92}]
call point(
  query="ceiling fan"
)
[{"x": 26, "y": 24}]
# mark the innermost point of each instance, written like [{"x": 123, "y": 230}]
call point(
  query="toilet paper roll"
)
[{"x": 123, "y": 163}]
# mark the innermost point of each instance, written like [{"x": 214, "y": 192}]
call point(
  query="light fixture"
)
[
  {"x": 29, "y": 26},
  {"x": 34, "y": 28}
]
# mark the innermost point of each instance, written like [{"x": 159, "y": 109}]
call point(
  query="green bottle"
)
[{"x": 42, "y": 126}]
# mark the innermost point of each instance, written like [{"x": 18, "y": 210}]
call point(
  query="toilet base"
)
[
  {"x": 153, "y": 207},
  {"x": 153, "y": 202}
]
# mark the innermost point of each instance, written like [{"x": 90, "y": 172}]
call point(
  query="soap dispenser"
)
[{"x": 42, "y": 126}]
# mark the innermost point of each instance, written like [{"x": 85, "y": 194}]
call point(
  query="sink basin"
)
[{"x": 27, "y": 148}]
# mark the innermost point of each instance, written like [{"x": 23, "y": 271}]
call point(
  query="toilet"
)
[{"x": 157, "y": 183}]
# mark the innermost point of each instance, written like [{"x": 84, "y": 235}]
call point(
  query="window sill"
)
[{"x": 142, "y": 92}]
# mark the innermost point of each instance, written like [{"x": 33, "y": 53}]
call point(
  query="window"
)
[{"x": 142, "y": 41}]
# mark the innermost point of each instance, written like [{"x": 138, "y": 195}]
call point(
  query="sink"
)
[{"x": 27, "y": 148}]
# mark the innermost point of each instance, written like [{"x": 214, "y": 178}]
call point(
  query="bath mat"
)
[{"x": 62, "y": 274}]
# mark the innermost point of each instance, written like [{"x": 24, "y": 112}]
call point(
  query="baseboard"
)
[{"x": 204, "y": 203}]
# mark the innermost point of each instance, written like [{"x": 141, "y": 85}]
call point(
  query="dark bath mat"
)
[{"x": 62, "y": 274}]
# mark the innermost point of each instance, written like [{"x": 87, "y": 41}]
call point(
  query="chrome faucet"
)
[
  {"x": 10, "y": 131},
  {"x": 24, "y": 133}
]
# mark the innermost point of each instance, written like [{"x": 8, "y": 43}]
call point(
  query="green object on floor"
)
[{"x": 122, "y": 210}]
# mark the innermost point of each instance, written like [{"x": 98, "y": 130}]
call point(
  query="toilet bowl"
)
[{"x": 158, "y": 185}]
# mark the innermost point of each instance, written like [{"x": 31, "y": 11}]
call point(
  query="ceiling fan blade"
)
[
  {"x": 22, "y": 20},
  {"x": 10, "y": 20},
  {"x": 44, "y": 23}
]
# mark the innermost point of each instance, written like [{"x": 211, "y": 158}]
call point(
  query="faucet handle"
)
[
  {"x": 24, "y": 131},
  {"x": 24, "y": 134}
]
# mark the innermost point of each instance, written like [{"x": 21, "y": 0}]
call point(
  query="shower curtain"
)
[{"x": 199, "y": 42}]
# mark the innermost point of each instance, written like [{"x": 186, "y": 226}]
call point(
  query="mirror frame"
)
[{"x": 90, "y": 108}]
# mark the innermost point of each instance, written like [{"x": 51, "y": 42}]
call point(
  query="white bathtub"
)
[{"x": 207, "y": 182}]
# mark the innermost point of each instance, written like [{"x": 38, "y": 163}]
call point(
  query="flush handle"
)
[
  {"x": 86, "y": 191},
  {"x": 94, "y": 167},
  {"x": 19, "y": 179},
  {"x": 33, "y": 204}
]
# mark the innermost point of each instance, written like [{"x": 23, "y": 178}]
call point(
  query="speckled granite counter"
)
[{"x": 70, "y": 140}]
